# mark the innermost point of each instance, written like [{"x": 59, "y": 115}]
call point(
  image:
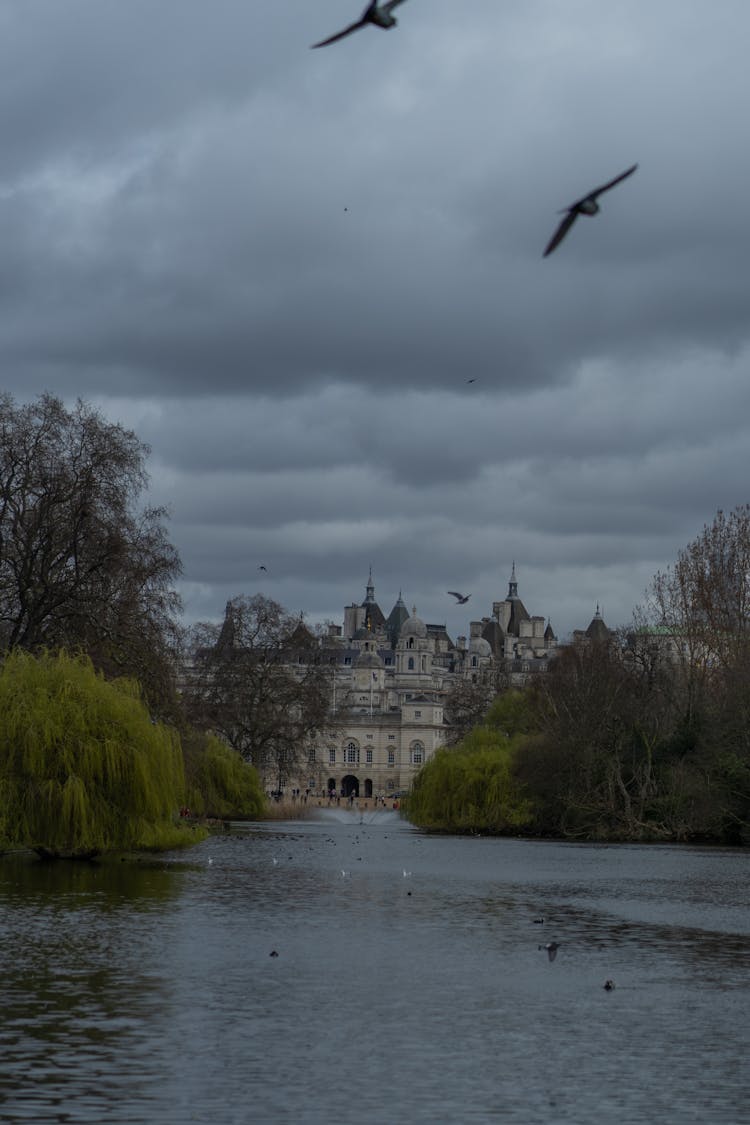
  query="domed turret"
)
[
  {"x": 414, "y": 627},
  {"x": 478, "y": 646}
]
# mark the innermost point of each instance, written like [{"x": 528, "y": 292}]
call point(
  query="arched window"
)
[
  {"x": 352, "y": 753},
  {"x": 411, "y": 663},
  {"x": 417, "y": 753}
]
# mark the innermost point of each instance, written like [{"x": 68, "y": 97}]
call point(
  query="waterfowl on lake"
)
[{"x": 552, "y": 948}]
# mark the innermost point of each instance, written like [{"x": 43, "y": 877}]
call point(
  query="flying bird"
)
[
  {"x": 585, "y": 206},
  {"x": 378, "y": 14},
  {"x": 552, "y": 948},
  {"x": 461, "y": 599}
]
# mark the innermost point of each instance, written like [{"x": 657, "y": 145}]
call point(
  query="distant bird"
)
[
  {"x": 261, "y": 567},
  {"x": 471, "y": 380},
  {"x": 273, "y": 953},
  {"x": 461, "y": 599},
  {"x": 539, "y": 921},
  {"x": 585, "y": 206},
  {"x": 552, "y": 948},
  {"x": 608, "y": 985},
  {"x": 378, "y": 14},
  {"x": 406, "y": 873}
]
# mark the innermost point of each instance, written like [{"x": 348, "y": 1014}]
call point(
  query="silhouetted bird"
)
[
  {"x": 261, "y": 567},
  {"x": 552, "y": 948},
  {"x": 585, "y": 206},
  {"x": 608, "y": 985},
  {"x": 273, "y": 953},
  {"x": 378, "y": 14},
  {"x": 461, "y": 599}
]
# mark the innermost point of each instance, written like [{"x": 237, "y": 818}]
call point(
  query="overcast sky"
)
[{"x": 280, "y": 266}]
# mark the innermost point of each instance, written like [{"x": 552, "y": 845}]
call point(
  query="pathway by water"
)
[{"x": 409, "y": 983}]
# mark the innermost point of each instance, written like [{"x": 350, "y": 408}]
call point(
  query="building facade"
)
[{"x": 390, "y": 678}]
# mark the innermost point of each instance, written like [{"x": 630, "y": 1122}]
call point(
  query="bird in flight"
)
[
  {"x": 378, "y": 14},
  {"x": 461, "y": 599},
  {"x": 585, "y": 206},
  {"x": 261, "y": 567},
  {"x": 552, "y": 948}
]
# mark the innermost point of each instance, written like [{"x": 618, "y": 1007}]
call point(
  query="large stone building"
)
[{"x": 390, "y": 679}]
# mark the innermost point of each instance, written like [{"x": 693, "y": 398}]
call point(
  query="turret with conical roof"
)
[
  {"x": 396, "y": 620},
  {"x": 597, "y": 630},
  {"x": 512, "y": 611}
]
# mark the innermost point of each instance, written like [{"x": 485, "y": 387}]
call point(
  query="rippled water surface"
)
[{"x": 409, "y": 985}]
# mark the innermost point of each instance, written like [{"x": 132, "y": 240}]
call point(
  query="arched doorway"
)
[
  {"x": 331, "y": 787},
  {"x": 368, "y": 787},
  {"x": 350, "y": 785}
]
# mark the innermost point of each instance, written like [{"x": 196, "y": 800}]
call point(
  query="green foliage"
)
[
  {"x": 511, "y": 713},
  {"x": 219, "y": 782},
  {"x": 83, "y": 769},
  {"x": 470, "y": 788}
]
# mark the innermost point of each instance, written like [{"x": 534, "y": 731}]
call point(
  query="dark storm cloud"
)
[{"x": 281, "y": 267}]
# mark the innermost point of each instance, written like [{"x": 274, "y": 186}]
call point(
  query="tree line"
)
[
  {"x": 97, "y": 751},
  {"x": 644, "y": 735}
]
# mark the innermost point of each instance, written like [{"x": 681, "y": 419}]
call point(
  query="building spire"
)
[
  {"x": 513, "y": 585},
  {"x": 370, "y": 588}
]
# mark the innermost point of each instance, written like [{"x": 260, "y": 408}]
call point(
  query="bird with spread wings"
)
[
  {"x": 587, "y": 205},
  {"x": 377, "y": 14}
]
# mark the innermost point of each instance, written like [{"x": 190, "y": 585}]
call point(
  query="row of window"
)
[{"x": 351, "y": 755}]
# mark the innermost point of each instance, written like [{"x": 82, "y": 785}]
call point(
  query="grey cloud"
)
[{"x": 281, "y": 267}]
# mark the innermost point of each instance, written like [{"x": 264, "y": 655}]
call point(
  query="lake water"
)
[{"x": 408, "y": 986}]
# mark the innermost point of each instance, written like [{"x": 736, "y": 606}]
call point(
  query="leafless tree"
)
[
  {"x": 257, "y": 681},
  {"x": 82, "y": 565}
]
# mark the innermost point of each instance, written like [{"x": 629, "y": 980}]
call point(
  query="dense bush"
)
[{"x": 83, "y": 769}]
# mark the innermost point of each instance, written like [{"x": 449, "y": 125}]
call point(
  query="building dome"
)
[
  {"x": 478, "y": 646},
  {"x": 414, "y": 626}
]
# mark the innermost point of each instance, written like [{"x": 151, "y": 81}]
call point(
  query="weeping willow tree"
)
[
  {"x": 83, "y": 769},
  {"x": 471, "y": 788},
  {"x": 220, "y": 783}
]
